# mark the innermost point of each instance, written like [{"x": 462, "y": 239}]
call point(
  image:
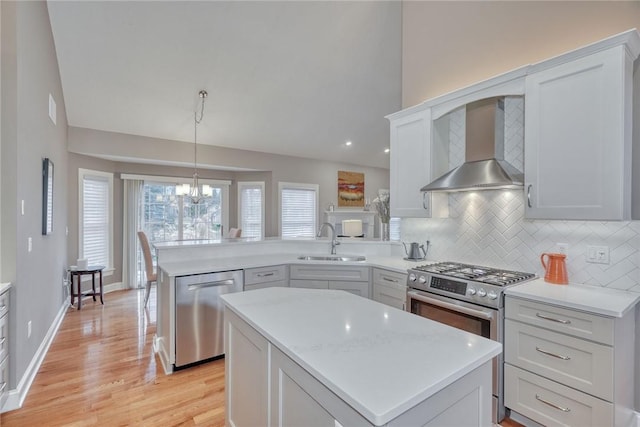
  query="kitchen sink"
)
[{"x": 346, "y": 258}]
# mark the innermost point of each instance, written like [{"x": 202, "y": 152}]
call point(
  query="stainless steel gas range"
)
[{"x": 468, "y": 297}]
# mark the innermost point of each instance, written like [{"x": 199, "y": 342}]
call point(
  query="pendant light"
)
[{"x": 193, "y": 191}]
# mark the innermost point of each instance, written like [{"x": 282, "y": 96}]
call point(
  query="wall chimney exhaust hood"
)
[{"x": 484, "y": 167}]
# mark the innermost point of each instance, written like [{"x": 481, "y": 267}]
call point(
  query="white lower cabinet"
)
[
  {"x": 246, "y": 371},
  {"x": 350, "y": 278},
  {"x": 389, "y": 288},
  {"x": 565, "y": 367}
]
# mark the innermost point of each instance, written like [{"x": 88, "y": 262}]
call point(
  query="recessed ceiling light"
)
[
  {"x": 386, "y": 150},
  {"x": 348, "y": 143}
]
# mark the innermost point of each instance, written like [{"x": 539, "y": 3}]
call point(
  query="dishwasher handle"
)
[{"x": 227, "y": 282}]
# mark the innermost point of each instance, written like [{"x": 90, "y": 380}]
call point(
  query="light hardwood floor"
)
[{"x": 101, "y": 371}]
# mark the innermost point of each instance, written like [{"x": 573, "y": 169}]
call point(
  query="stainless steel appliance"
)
[
  {"x": 467, "y": 297},
  {"x": 199, "y": 314}
]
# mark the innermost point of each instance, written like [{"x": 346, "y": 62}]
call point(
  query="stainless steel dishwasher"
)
[{"x": 199, "y": 314}]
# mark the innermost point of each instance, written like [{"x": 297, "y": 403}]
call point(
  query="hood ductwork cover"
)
[{"x": 484, "y": 167}]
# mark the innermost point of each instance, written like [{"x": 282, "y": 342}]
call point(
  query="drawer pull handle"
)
[
  {"x": 548, "y": 353},
  {"x": 564, "y": 322},
  {"x": 265, "y": 274},
  {"x": 389, "y": 280},
  {"x": 553, "y": 405}
]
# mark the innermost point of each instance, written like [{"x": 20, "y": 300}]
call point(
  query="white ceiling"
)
[{"x": 293, "y": 78}]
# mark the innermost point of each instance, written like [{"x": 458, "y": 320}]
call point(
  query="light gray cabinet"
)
[
  {"x": 568, "y": 367},
  {"x": 4, "y": 346},
  {"x": 578, "y": 134},
  {"x": 266, "y": 277},
  {"x": 389, "y": 288},
  {"x": 350, "y": 278},
  {"x": 246, "y": 370}
]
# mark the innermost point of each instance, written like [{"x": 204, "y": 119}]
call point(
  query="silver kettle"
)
[{"x": 416, "y": 251}]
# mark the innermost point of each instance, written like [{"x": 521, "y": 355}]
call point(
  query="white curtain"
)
[{"x": 131, "y": 224}]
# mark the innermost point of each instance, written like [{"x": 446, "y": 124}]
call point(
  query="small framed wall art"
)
[
  {"x": 47, "y": 196},
  {"x": 350, "y": 189}
]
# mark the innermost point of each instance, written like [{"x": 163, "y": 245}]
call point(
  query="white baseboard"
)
[
  {"x": 117, "y": 286},
  {"x": 16, "y": 397},
  {"x": 159, "y": 349}
]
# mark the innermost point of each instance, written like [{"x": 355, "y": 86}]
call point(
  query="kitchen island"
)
[{"x": 324, "y": 357}]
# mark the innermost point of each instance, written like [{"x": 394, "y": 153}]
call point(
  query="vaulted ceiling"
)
[{"x": 294, "y": 78}]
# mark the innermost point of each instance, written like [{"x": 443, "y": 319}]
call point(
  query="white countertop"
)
[
  {"x": 211, "y": 265},
  {"x": 379, "y": 360},
  {"x": 593, "y": 299}
]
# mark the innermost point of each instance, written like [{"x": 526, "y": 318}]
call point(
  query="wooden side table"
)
[{"x": 92, "y": 270}]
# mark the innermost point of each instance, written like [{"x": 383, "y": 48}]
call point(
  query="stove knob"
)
[
  {"x": 482, "y": 292},
  {"x": 412, "y": 277},
  {"x": 422, "y": 280},
  {"x": 472, "y": 291},
  {"x": 492, "y": 295}
]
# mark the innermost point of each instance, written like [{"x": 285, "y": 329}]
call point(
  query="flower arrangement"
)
[{"x": 381, "y": 203}]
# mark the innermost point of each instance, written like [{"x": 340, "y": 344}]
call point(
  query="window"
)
[
  {"x": 298, "y": 209},
  {"x": 251, "y": 208},
  {"x": 170, "y": 217},
  {"x": 96, "y": 217},
  {"x": 394, "y": 228}
]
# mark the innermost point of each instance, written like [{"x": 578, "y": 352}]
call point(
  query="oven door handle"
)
[{"x": 470, "y": 311}]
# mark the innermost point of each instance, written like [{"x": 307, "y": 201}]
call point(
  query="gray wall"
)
[
  {"x": 29, "y": 74},
  {"x": 271, "y": 168}
]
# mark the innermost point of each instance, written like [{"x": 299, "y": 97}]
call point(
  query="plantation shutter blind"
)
[
  {"x": 251, "y": 199},
  {"x": 298, "y": 212},
  {"x": 95, "y": 220}
]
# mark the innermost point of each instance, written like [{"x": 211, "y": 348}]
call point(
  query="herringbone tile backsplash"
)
[{"x": 488, "y": 227}]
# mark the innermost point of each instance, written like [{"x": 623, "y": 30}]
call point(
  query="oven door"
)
[
  {"x": 476, "y": 319},
  {"x": 462, "y": 315}
]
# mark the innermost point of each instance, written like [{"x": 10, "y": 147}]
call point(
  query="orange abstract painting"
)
[{"x": 350, "y": 189}]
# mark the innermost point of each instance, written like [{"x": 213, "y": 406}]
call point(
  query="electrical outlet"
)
[
  {"x": 562, "y": 248},
  {"x": 29, "y": 329},
  {"x": 598, "y": 254}
]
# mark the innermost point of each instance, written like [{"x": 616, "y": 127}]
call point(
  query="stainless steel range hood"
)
[{"x": 484, "y": 167}]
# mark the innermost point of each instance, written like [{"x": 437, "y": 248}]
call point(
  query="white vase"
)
[{"x": 384, "y": 231}]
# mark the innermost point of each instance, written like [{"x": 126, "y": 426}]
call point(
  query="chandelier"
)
[{"x": 193, "y": 190}]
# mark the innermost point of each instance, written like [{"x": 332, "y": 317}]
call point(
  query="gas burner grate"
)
[{"x": 476, "y": 273}]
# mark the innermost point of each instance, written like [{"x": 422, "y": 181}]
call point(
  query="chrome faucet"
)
[{"x": 334, "y": 240}]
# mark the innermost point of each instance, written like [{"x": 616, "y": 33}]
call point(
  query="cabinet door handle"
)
[
  {"x": 564, "y": 322},
  {"x": 387, "y": 279},
  {"x": 548, "y": 353},
  {"x": 529, "y": 195},
  {"x": 425, "y": 202},
  {"x": 553, "y": 405},
  {"x": 265, "y": 274}
]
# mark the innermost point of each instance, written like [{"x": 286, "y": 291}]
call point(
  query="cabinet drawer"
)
[
  {"x": 577, "y": 323},
  {"x": 390, "y": 278},
  {"x": 278, "y": 284},
  {"x": 553, "y": 404},
  {"x": 323, "y": 272},
  {"x": 578, "y": 363},
  {"x": 4, "y": 337},
  {"x": 309, "y": 284},
  {"x": 390, "y": 295},
  {"x": 4, "y": 303},
  {"x": 265, "y": 274}
]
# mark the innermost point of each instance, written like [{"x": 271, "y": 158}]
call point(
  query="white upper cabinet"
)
[
  {"x": 578, "y": 131},
  {"x": 410, "y": 164}
]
